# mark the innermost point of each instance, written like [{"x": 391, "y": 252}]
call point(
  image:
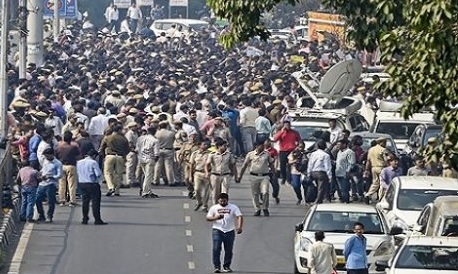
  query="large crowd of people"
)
[{"x": 177, "y": 110}]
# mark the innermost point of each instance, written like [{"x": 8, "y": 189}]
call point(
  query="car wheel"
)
[{"x": 296, "y": 271}]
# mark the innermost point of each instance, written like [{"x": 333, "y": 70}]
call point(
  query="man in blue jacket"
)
[{"x": 355, "y": 251}]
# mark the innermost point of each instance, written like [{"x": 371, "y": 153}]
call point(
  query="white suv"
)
[
  {"x": 433, "y": 255},
  {"x": 407, "y": 195}
]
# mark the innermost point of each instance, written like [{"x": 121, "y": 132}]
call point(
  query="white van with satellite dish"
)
[
  {"x": 162, "y": 25},
  {"x": 327, "y": 99},
  {"x": 388, "y": 120}
]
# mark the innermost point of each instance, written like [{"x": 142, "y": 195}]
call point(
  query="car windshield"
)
[
  {"x": 416, "y": 199},
  {"x": 309, "y": 133},
  {"x": 428, "y": 257},
  {"x": 397, "y": 130},
  {"x": 431, "y": 132},
  {"x": 342, "y": 222},
  {"x": 450, "y": 226},
  {"x": 368, "y": 140}
]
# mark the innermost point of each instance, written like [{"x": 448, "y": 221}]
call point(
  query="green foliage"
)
[
  {"x": 245, "y": 17},
  {"x": 419, "y": 44}
]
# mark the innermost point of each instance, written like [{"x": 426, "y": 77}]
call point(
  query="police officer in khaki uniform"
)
[
  {"x": 376, "y": 161},
  {"x": 181, "y": 138},
  {"x": 261, "y": 166},
  {"x": 131, "y": 158},
  {"x": 115, "y": 147},
  {"x": 165, "y": 139},
  {"x": 198, "y": 161},
  {"x": 220, "y": 167},
  {"x": 184, "y": 161}
]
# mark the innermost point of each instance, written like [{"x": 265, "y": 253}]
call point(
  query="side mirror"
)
[
  {"x": 299, "y": 227},
  {"x": 395, "y": 230},
  {"x": 381, "y": 265}
]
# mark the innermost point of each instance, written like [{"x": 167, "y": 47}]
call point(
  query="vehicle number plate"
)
[{"x": 341, "y": 260}]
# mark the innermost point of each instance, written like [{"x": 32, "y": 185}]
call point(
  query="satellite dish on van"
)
[{"x": 339, "y": 79}]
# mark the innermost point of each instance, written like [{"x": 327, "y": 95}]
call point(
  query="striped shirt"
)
[{"x": 344, "y": 162}]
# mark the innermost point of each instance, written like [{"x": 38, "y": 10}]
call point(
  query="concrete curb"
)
[{"x": 8, "y": 227}]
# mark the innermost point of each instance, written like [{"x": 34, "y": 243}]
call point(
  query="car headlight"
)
[
  {"x": 385, "y": 248},
  {"x": 305, "y": 244},
  {"x": 401, "y": 224}
]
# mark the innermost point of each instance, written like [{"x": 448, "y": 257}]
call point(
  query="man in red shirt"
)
[{"x": 288, "y": 139}]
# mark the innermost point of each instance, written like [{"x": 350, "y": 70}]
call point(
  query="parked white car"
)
[
  {"x": 407, "y": 195},
  {"x": 337, "y": 223},
  {"x": 435, "y": 255}
]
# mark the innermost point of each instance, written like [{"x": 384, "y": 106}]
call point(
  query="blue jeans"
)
[
  {"x": 28, "y": 198},
  {"x": 296, "y": 182},
  {"x": 226, "y": 239},
  {"x": 49, "y": 192},
  {"x": 344, "y": 185}
]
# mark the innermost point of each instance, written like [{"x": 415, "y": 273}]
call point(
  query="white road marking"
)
[
  {"x": 186, "y": 206},
  {"x": 185, "y": 193},
  {"x": 15, "y": 265},
  {"x": 187, "y": 219},
  {"x": 190, "y": 248},
  {"x": 188, "y": 233},
  {"x": 191, "y": 265}
]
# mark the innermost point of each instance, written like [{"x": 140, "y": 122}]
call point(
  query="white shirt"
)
[
  {"x": 322, "y": 258},
  {"x": 125, "y": 27},
  {"x": 107, "y": 13},
  {"x": 335, "y": 133},
  {"x": 56, "y": 124},
  {"x": 345, "y": 160},
  {"x": 263, "y": 125},
  {"x": 189, "y": 129},
  {"x": 147, "y": 148},
  {"x": 230, "y": 211},
  {"x": 248, "y": 117},
  {"x": 41, "y": 148},
  {"x": 134, "y": 13},
  {"x": 98, "y": 124},
  {"x": 113, "y": 15},
  {"x": 320, "y": 161}
]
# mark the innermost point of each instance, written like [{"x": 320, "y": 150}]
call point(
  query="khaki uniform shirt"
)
[
  {"x": 376, "y": 156},
  {"x": 179, "y": 139},
  {"x": 220, "y": 163},
  {"x": 260, "y": 163},
  {"x": 116, "y": 144},
  {"x": 198, "y": 159},
  {"x": 186, "y": 151},
  {"x": 165, "y": 138}
]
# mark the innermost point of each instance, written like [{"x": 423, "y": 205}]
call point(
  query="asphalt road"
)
[{"x": 160, "y": 236}]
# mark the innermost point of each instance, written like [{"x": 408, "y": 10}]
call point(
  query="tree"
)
[
  {"x": 245, "y": 16},
  {"x": 418, "y": 40}
]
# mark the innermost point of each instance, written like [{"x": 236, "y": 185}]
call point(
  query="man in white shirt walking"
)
[
  {"x": 263, "y": 126},
  {"x": 97, "y": 126},
  {"x": 319, "y": 170},
  {"x": 345, "y": 162},
  {"x": 322, "y": 256},
  {"x": 248, "y": 117},
  {"x": 135, "y": 14},
  {"x": 227, "y": 220}
]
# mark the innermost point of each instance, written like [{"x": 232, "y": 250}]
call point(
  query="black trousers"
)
[
  {"x": 284, "y": 167},
  {"x": 323, "y": 185},
  {"x": 357, "y": 271},
  {"x": 91, "y": 193}
]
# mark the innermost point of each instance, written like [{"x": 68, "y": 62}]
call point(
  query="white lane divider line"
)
[
  {"x": 16, "y": 261},
  {"x": 185, "y": 193},
  {"x": 190, "y": 248},
  {"x": 188, "y": 233},
  {"x": 187, "y": 219},
  {"x": 191, "y": 265},
  {"x": 186, "y": 206}
]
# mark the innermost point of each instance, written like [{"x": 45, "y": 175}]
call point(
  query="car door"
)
[
  {"x": 423, "y": 219},
  {"x": 389, "y": 198}
]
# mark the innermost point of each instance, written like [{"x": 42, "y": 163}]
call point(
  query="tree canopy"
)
[{"x": 418, "y": 40}]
